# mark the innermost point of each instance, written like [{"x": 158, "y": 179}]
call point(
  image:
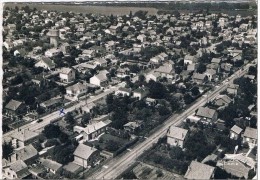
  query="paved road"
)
[
  {"x": 116, "y": 167},
  {"x": 55, "y": 115}
]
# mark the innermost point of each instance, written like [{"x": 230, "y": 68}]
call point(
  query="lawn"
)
[{"x": 109, "y": 143}]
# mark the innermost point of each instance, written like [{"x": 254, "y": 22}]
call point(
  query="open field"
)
[
  {"x": 118, "y": 10},
  {"x": 105, "y": 10}
]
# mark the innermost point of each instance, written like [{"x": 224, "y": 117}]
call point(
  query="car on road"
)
[{"x": 39, "y": 120}]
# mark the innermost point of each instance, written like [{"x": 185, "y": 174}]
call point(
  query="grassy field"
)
[
  {"x": 116, "y": 10},
  {"x": 105, "y": 10}
]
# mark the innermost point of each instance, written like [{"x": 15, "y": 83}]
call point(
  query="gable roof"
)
[
  {"x": 48, "y": 62},
  {"x": 177, "y": 133},
  {"x": 51, "y": 164},
  {"x": 101, "y": 76},
  {"x": 83, "y": 151},
  {"x": 13, "y": 105},
  {"x": 205, "y": 112},
  {"x": 199, "y": 76},
  {"x": 190, "y": 58},
  {"x": 65, "y": 70},
  {"x": 90, "y": 128},
  {"x": 24, "y": 135},
  {"x": 26, "y": 152},
  {"x": 236, "y": 129},
  {"x": 76, "y": 87},
  {"x": 165, "y": 69},
  {"x": 18, "y": 166},
  {"x": 216, "y": 60},
  {"x": 251, "y": 133},
  {"x": 197, "y": 170}
]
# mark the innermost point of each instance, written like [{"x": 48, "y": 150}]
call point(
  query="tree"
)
[
  {"x": 157, "y": 90},
  {"x": 129, "y": 175},
  {"x": 63, "y": 137},
  {"x": 7, "y": 150},
  {"x": 176, "y": 153},
  {"x": 188, "y": 98},
  {"x": 51, "y": 142},
  {"x": 252, "y": 70},
  {"x": 112, "y": 145},
  {"x": 69, "y": 118},
  {"x": 141, "y": 78},
  {"x": 195, "y": 91},
  {"x": 201, "y": 68},
  {"x": 51, "y": 131},
  {"x": 163, "y": 111},
  {"x": 85, "y": 118}
]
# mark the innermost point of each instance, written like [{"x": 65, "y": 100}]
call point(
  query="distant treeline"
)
[{"x": 180, "y": 5}]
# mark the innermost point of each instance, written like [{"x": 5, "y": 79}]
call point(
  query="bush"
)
[
  {"x": 51, "y": 142},
  {"x": 159, "y": 173}
]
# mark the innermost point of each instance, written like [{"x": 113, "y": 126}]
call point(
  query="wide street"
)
[
  {"x": 116, "y": 166},
  {"x": 55, "y": 115}
]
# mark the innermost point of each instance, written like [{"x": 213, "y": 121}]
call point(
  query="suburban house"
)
[
  {"x": 67, "y": 75},
  {"x": 176, "y": 136},
  {"x": 211, "y": 74},
  {"x": 52, "y": 52},
  {"x": 92, "y": 131},
  {"x": 199, "y": 78},
  {"x": 45, "y": 63},
  {"x": 123, "y": 92},
  {"x": 51, "y": 166},
  {"x": 150, "y": 101},
  {"x": 166, "y": 70},
  {"x": 21, "y": 138},
  {"x": 235, "y": 132},
  {"x": 188, "y": 59},
  {"x": 28, "y": 154},
  {"x": 155, "y": 76},
  {"x": 85, "y": 155},
  {"x": 207, "y": 115},
  {"x": 14, "y": 108},
  {"x": 76, "y": 90},
  {"x": 133, "y": 126},
  {"x": 52, "y": 103},
  {"x": 101, "y": 62},
  {"x": 122, "y": 72},
  {"x": 222, "y": 100},
  {"x": 88, "y": 107},
  {"x": 99, "y": 79},
  {"x": 250, "y": 136},
  {"x": 216, "y": 60},
  {"x": 140, "y": 93},
  {"x": 232, "y": 89},
  {"x": 197, "y": 170},
  {"x": 237, "y": 165},
  {"x": 17, "y": 170}
]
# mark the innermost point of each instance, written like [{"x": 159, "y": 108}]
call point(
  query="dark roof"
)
[{"x": 48, "y": 61}]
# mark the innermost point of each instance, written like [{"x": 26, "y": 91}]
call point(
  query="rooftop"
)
[
  {"x": 205, "y": 112},
  {"x": 83, "y": 151},
  {"x": 177, "y": 133},
  {"x": 197, "y": 170},
  {"x": 250, "y": 133}
]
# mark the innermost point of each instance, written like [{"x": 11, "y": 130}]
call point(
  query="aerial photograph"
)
[{"x": 129, "y": 90}]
